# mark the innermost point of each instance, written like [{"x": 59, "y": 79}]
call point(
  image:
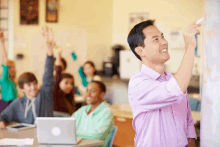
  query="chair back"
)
[{"x": 113, "y": 133}]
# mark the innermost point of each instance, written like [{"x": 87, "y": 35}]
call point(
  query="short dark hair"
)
[
  {"x": 92, "y": 64},
  {"x": 101, "y": 85},
  {"x": 26, "y": 78},
  {"x": 136, "y": 36},
  {"x": 64, "y": 62}
]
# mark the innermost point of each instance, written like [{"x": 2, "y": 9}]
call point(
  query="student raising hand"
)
[{"x": 49, "y": 38}]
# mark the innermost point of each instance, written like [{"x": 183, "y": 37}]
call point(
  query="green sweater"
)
[
  {"x": 97, "y": 125},
  {"x": 8, "y": 87}
]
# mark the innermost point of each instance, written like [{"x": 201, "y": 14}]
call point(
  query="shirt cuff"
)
[
  {"x": 173, "y": 87},
  {"x": 191, "y": 132}
]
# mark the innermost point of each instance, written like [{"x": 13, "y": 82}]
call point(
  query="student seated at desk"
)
[
  {"x": 7, "y": 81},
  {"x": 87, "y": 73},
  {"x": 35, "y": 103},
  {"x": 64, "y": 89},
  {"x": 95, "y": 120}
]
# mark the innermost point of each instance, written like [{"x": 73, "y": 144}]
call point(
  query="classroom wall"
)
[
  {"x": 92, "y": 19},
  {"x": 170, "y": 14},
  {"x": 104, "y": 23}
]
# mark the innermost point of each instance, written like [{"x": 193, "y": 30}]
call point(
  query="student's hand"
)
[
  {"x": 2, "y": 125},
  {"x": 2, "y": 39},
  {"x": 189, "y": 35},
  {"x": 49, "y": 38},
  {"x": 57, "y": 52}
]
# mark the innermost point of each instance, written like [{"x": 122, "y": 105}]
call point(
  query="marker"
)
[{"x": 199, "y": 21}]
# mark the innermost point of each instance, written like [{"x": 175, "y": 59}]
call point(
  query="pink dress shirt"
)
[{"x": 161, "y": 113}]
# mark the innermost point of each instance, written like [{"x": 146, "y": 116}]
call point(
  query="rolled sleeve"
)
[
  {"x": 174, "y": 88},
  {"x": 191, "y": 132}
]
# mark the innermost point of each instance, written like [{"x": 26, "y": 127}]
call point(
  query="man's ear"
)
[
  {"x": 139, "y": 50},
  {"x": 102, "y": 95}
]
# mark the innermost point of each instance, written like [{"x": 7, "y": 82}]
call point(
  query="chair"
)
[
  {"x": 113, "y": 133},
  {"x": 3, "y": 105}
]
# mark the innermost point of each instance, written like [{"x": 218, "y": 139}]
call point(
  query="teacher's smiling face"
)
[{"x": 155, "y": 50}]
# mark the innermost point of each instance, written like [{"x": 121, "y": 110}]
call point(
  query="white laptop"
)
[{"x": 56, "y": 130}]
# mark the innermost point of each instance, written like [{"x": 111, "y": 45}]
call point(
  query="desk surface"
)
[
  {"x": 117, "y": 111},
  {"x": 31, "y": 133}
]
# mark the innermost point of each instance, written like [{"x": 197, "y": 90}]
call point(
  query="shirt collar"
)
[
  {"x": 152, "y": 73},
  {"x": 100, "y": 107}
]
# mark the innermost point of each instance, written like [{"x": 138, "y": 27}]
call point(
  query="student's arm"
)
[
  {"x": 76, "y": 60},
  {"x": 57, "y": 78},
  {"x": 5, "y": 72},
  {"x": 56, "y": 87},
  {"x": 79, "y": 68},
  {"x": 100, "y": 129},
  {"x": 184, "y": 73},
  {"x": 147, "y": 94},
  {"x": 2, "y": 45},
  {"x": 48, "y": 71},
  {"x": 48, "y": 76}
]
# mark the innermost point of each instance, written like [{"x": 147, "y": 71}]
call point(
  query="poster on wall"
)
[
  {"x": 135, "y": 18},
  {"x": 29, "y": 13},
  {"x": 52, "y": 11}
]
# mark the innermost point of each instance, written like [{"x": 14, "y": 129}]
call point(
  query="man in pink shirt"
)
[{"x": 161, "y": 112}]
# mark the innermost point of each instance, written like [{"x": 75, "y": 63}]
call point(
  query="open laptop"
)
[{"x": 56, "y": 130}]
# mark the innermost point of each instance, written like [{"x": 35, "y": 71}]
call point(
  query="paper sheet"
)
[{"x": 17, "y": 142}]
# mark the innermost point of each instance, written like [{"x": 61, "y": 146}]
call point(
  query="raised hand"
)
[
  {"x": 49, "y": 38},
  {"x": 57, "y": 52},
  {"x": 189, "y": 35},
  {"x": 2, "y": 47}
]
